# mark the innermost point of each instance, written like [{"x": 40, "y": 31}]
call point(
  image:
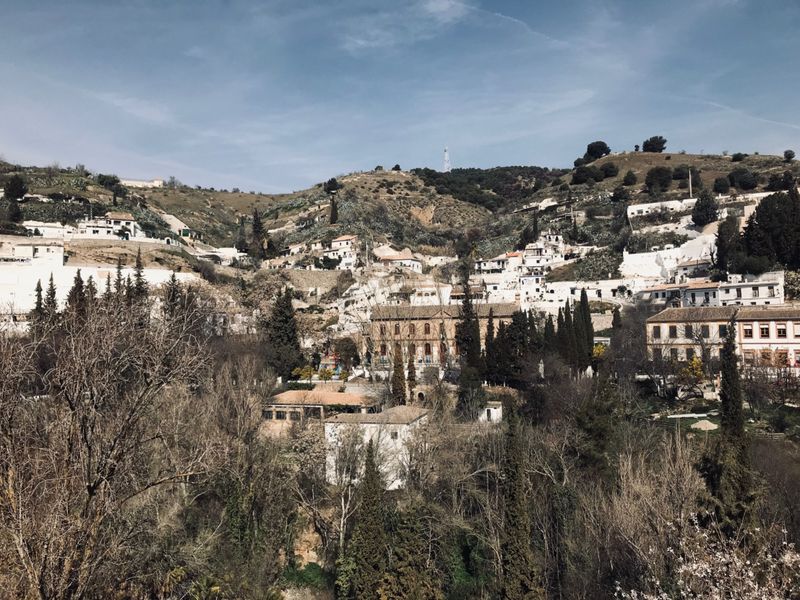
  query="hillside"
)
[{"x": 424, "y": 209}]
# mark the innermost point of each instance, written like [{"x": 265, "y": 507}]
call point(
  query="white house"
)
[
  {"x": 142, "y": 183},
  {"x": 112, "y": 225},
  {"x": 49, "y": 230},
  {"x": 390, "y": 432},
  {"x": 344, "y": 242}
]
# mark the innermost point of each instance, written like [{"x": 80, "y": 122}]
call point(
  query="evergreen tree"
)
[
  {"x": 76, "y": 298},
  {"x": 108, "y": 292},
  {"x": 705, "y": 209},
  {"x": 520, "y": 574},
  {"x": 172, "y": 296},
  {"x": 594, "y": 419},
  {"x": 629, "y": 179},
  {"x": 398, "y": 380},
  {"x": 50, "y": 304},
  {"x": 241, "y": 237},
  {"x": 91, "y": 292},
  {"x": 119, "y": 282},
  {"x": 586, "y": 315},
  {"x": 256, "y": 249},
  {"x": 408, "y": 575},
  {"x": 36, "y": 315},
  {"x": 282, "y": 346},
  {"x": 726, "y": 467},
  {"x": 366, "y": 552},
  {"x": 570, "y": 342},
  {"x": 139, "y": 282},
  {"x": 334, "y": 212},
  {"x": 129, "y": 295},
  {"x": 489, "y": 357},
  {"x": 411, "y": 377},
  {"x": 728, "y": 243},
  {"x": 549, "y": 341}
]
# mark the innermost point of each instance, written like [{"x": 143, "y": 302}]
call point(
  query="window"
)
[
  {"x": 690, "y": 354},
  {"x": 766, "y": 357},
  {"x": 294, "y": 415},
  {"x": 656, "y": 332},
  {"x": 488, "y": 414},
  {"x": 781, "y": 330},
  {"x": 383, "y": 329},
  {"x": 749, "y": 357},
  {"x": 688, "y": 332},
  {"x": 280, "y": 415},
  {"x": 383, "y": 349},
  {"x": 781, "y": 358},
  {"x": 763, "y": 330},
  {"x": 755, "y": 292},
  {"x": 427, "y": 349},
  {"x": 673, "y": 354},
  {"x": 673, "y": 331},
  {"x": 705, "y": 331},
  {"x": 397, "y": 328},
  {"x": 412, "y": 350},
  {"x": 427, "y": 328},
  {"x": 747, "y": 331},
  {"x": 723, "y": 331},
  {"x": 412, "y": 329},
  {"x": 771, "y": 291},
  {"x": 738, "y": 292},
  {"x": 267, "y": 414},
  {"x": 656, "y": 353},
  {"x": 393, "y": 435}
]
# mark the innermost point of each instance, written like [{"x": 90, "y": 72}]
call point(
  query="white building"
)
[
  {"x": 49, "y": 230},
  {"x": 391, "y": 431},
  {"x": 741, "y": 290},
  {"x": 142, "y": 183},
  {"x": 32, "y": 250},
  {"x": 112, "y": 225}
]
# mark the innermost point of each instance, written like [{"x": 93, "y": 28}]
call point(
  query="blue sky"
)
[{"x": 276, "y": 96}]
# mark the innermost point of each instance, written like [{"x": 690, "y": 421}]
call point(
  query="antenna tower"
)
[{"x": 446, "y": 168}]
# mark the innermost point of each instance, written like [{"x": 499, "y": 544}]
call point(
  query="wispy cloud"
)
[{"x": 139, "y": 108}]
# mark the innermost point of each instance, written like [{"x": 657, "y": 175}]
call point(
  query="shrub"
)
[
  {"x": 586, "y": 174},
  {"x": 630, "y": 178},
  {"x": 738, "y": 157},
  {"x": 609, "y": 169},
  {"x": 742, "y": 178},
  {"x": 658, "y": 179},
  {"x": 788, "y": 155},
  {"x": 722, "y": 185}
]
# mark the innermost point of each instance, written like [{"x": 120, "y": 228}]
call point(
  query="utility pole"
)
[
  {"x": 446, "y": 167},
  {"x": 690, "y": 182}
]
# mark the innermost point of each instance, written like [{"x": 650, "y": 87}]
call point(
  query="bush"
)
[
  {"x": 587, "y": 174},
  {"x": 722, "y": 185},
  {"x": 743, "y": 179},
  {"x": 630, "y": 178},
  {"x": 788, "y": 155},
  {"x": 658, "y": 179},
  {"x": 738, "y": 157},
  {"x": 609, "y": 169}
]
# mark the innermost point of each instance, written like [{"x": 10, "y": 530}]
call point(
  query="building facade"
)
[
  {"x": 426, "y": 333},
  {"x": 765, "y": 336}
]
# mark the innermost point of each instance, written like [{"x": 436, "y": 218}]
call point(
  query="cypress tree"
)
[
  {"x": 172, "y": 294},
  {"x": 139, "y": 282},
  {"x": 282, "y": 345},
  {"x": 76, "y": 298},
  {"x": 726, "y": 467},
  {"x": 129, "y": 295},
  {"x": 586, "y": 315},
  {"x": 549, "y": 336},
  {"x": 520, "y": 573},
  {"x": 366, "y": 553},
  {"x": 705, "y": 209},
  {"x": 334, "y": 212},
  {"x": 257, "y": 241},
  {"x": 119, "y": 282},
  {"x": 570, "y": 342},
  {"x": 561, "y": 335},
  {"x": 36, "y": 316},
  {"x": 108, "y": 292},
  {"x": 398, "y": 380},
  {"x": 91, "y": 292},
  {"x": 241, "y": 237},
  {"x": 50, "y": 304},
  {"x": 408, "y": 575},
  {"x": 490, "y": 358},
  {"x": 468, "y": 331},
  {"x": 411, "y": 377}
]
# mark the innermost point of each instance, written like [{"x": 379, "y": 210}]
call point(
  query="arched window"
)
[
  {"x": 383, "y": 349},
  {"x": 383, "y": 329},
  {"x": 412, "y": 350},
  {"x": 427, "y": 328},
  {"x": 412, "y": 329},
  {"x": 442, "y": 353},
  {"x": 427, "y": 349},
  {"x": 397, "y": 328}
]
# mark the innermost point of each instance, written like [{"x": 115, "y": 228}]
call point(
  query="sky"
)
[{"x": 275, "y": 96}]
